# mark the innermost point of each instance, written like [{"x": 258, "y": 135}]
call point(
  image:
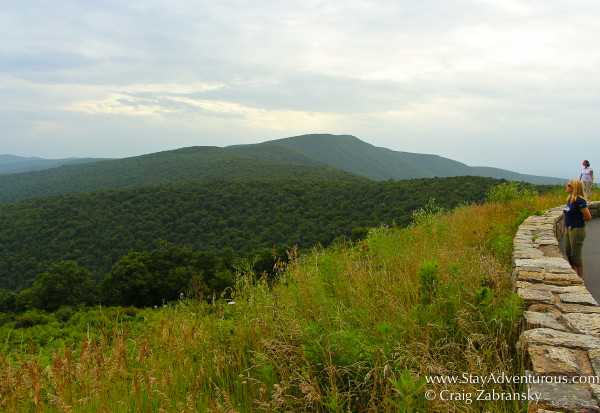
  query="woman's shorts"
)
[
  {"x": 574, "y": 245},
  {"x": 587, "y": 188}
]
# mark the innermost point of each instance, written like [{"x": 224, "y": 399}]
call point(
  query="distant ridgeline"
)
[
  {"x": 10, "y": 164},
  {"x": 97, "y": 228},
  {"x": 336, "y": 157}
]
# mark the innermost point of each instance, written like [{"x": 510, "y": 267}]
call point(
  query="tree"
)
[
  {"x": 129, "y": 282},
  {"x": 150, "y": 278},
  {"x": 7, "y": 301},
  {"x": 65, "y": 283}
]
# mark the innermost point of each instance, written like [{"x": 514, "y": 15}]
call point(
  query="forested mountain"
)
[
  {"x": 353, "y": 155},
  {"x": 181, "y": 165},
  {"x": 97, "y": 228},
  {"x": 16, "y": 164},
  {"x": 310, "y": 156}
]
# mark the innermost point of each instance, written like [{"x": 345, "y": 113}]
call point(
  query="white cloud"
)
[{"x": 433, "y": 76}]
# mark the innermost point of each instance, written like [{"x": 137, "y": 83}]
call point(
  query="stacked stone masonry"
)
[{"x": 561, "y": 325}]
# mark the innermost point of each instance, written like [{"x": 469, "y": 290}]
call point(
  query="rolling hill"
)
[
  {"x": 317, "y": 156},
  {"x": 199, "y": 163},
  {"x": 17, "y": 164},
  {"x": 350, "y": 154}
]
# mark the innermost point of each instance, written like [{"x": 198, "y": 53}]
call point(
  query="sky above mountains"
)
[{"x": 500, "y": 83}]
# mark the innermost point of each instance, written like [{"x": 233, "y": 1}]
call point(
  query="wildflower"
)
[{"x": 155, "y": 306}]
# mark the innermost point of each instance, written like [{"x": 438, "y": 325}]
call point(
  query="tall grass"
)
[{"x": 347, "y": 328}]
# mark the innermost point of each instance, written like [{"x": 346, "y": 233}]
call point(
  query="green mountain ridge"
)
[
  {"x": 315, "y": 156},
  {"x": 18, "y": 164},
  {"x": 353, "y": 155},
  {"x": 181, "y": 165},
  {"x": 350, "y": 154}
]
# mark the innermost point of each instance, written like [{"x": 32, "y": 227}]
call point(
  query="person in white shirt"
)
[{"x": 587, "y": 177}]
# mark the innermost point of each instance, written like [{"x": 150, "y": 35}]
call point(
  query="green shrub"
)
[
  {"x": 429, "y": 277},
  {"x": 64, "y": 313},
  {"x": 510, "y": 191},
  {"x": 501, "y": 246},
  {"x": 426, "y": 214},
  {"x": 526, "y": 213},
  {"x": 32, "y": 318},
  {"x": 410, "y": 393},
  {"x": 359, "y": 234}
]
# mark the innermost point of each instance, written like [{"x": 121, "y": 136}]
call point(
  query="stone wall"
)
[{"x": 560, "y": 340}]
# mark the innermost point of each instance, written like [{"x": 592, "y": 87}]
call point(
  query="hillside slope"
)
[
  {"x": 17, "y": 164},
  {"x": 181, "y": 165},
  {"x": 350, "y": 154},
  {"x": 353, "y": 155},
  {"x": 97, "y": 228},
  {"x": 317, "y": 156},
  {"x": 349, "y": 328}
]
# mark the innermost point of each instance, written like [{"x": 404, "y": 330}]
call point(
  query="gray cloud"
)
[{"x": 432, "y": 76}]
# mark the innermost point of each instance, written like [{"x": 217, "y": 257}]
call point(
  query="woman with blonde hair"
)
[{"x": 576, "y": 213}]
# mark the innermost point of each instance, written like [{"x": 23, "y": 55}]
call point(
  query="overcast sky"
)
[{"x": 509, "y": 84}]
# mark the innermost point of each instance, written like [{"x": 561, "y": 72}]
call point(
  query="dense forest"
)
[
  {"x": 141, "y": 279},
  {"x": 181, "y": 165},
  {"x": 96, "y": 229}
]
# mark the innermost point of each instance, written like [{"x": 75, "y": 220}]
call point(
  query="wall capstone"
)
[{"x": 560, "y": 338}]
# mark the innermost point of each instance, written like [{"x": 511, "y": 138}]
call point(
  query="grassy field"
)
[{"x": 349, "y": 328}]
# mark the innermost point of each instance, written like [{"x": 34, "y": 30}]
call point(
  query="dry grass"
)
[{"x": 328, "y": 337}]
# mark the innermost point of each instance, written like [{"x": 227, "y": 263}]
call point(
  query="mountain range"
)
[
  {"x": 17, "y": 164},
  {"x": 322, "y": 156},
  {"x": 350, "y": 154}
]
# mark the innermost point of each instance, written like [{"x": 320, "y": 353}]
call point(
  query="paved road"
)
[{"x": 591, "y": 257}]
